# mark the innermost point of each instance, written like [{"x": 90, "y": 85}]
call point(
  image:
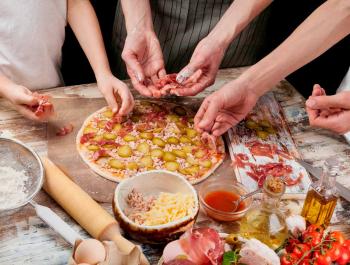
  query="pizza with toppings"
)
[{"x": 156, "y": 135}]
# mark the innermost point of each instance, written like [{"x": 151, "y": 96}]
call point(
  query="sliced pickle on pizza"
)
[
  {"x": 109, "y": 136},
  {"x": 117, "y": 127},
  {"x": 168, "y": 156},
  {"x": 93, "y": 147},
  {"x": 143, "y": 148},
  {"x": 172, "y": 140},
  {"x": 124, "y": 151},
  {"x": 179, "y": 153},
  {"x": 192, "y": 161},
  {"x": 146, "y": 135},
  {"x": 199, "y": 153},
  {"x": 108, "y": 113},
  {"x": 191, "y": 133},
  {"x": 187, "y": 148},
  {"x": 157, "y": 153},
  {"x": 193, "y": 170},
  {"x": 146, "y": 161},
  {"x": 132, "y": 166},
  {"x": 129, "y": 138},
  {"x": 101, "y": 124},
  {"x": 172, "y": 166},
  {"x": 206, "y": 163},
  {"x": 158, "y": 141},
  {"x": 185, "y": 140},
  {"x": 173, "y": 117},
  {"x": 117, "y": 164},
  {"x": 90, "y": 130}
]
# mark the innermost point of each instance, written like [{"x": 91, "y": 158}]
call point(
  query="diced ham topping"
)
[
  {"x": 44, "y": 105},
  {"x": 67, "y": 129},
  {"x": 86, "y": 137},
  {"x": 98, "y": 154}
]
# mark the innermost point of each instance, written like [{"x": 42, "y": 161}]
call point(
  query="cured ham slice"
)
[
  {"x": 98, "y": 154},
  {"x": 210, "y": 140},
  {"x": 44, "y": 105},
  {"x": 180, "y": 261},
  {"x": 67, "y": 129},
  {"x": 86, "y": 137},
  {"x": 168, "y": 84},
  {"x": 201, "y": 246}
]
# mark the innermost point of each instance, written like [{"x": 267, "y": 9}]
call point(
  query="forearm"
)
[
  {"x": 138, "y": 15},
  {"x": 236, "y": 18},
  {"x": 5, "y": 83},
  {"x": 84, "y": 23},
  {"x": 320, "y": 31}
]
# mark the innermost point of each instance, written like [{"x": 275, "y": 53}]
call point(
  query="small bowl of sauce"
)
[{"x": 217, "y": 199}]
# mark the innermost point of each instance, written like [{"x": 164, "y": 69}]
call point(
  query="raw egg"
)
[{"x": 90, "y": 251}]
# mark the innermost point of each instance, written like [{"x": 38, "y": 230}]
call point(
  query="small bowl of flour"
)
[{"x": 21, "y": 175}]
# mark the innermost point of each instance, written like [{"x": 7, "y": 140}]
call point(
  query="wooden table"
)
[{"x": 25, "y": 239}]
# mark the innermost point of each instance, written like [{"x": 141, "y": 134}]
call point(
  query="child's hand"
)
[
  {"x": 116, "y": 91},
  {"x": 25, "y": 102}
]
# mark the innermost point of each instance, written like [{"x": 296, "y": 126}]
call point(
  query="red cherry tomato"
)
[
  {"x": 347, "y": 244},
  {"x": 336, "y": 236},
  {"x": 323, "y": 260},
  {"x": 315, "y": 228},
  {"x": 334, "y": 250},
  {"x": 344, "y": 256},
  {"x": 305, "y": 262},
  {"x": 291, "y": 244},
  {"x": 289, "y": 259},
  {"x": 312, "y": 239},
  {"x": 301, "y": 249}
]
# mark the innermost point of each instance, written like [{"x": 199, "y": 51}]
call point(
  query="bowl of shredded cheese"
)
[{"x": 155, "y": 206}]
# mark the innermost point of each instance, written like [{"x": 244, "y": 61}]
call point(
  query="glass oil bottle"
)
[
  {"x": 322, "y": 196},
  {"x": 265, "y": 221}
]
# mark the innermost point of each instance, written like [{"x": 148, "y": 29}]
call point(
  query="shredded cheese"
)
[{"x": 168, "y": 207}]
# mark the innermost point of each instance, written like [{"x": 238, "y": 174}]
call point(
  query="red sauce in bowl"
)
[{"x": 222, "y": 200}]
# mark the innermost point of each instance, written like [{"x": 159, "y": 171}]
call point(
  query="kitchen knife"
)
[{"x": 317, "y": 173}]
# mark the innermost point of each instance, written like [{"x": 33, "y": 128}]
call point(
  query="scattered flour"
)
[{"x": 12, "y": 187}]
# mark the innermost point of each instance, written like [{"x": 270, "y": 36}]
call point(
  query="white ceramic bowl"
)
[{"x": 152, "y": 183}]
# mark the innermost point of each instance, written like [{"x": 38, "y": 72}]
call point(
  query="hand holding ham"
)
[
  {"x": 31, "y": 105},
  {"x": 329, "y": 112},
  {"x": 202, "y": 67}
]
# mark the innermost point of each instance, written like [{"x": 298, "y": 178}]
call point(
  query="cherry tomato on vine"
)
[
  {"x": 289, "y": 259},
  {"x": 312, "y": 238},
  {"x": 323, "y": 260},
  {"x": 334, "y": 250},
  {"x": 315, "y": 228},
  {"x": 344, "y": 256},
  {"x": 336, "y": 236},
  {"x": 291, "y": 244},
  {"x": 305, "y": 262},
  {"x": 347, "y": 244},
  {"x": 300, "y": 250}
]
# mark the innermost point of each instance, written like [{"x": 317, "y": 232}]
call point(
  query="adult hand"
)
[
  {"x": 24, "y": 101},
  {"x": 202, "y": 68},
  {"x": 144, "y": 61},
  {"x": 329, "y": 112},
  {"x": 116, "y": 93},
  {"x": 225, "y": 108}
]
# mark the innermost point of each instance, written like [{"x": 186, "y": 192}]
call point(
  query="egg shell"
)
[{"x": 90, "y": 251}]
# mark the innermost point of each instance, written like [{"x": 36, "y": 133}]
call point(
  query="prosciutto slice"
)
[
  {"x": 210, "y": 140},
  {"x": 44, "y": 105},
  {"x": 201, "y": 246},
  {"x": 67, "y": 129}
]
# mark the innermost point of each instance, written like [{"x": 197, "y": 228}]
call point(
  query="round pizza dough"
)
[{"x": 101, "y": 166}]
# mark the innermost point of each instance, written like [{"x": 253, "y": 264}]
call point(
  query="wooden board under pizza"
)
[
  {"x": 262, "y": 145},
  {"x": 156, "y": 135}
]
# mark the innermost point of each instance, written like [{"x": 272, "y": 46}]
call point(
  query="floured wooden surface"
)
[{"x": 25, "y": 239}]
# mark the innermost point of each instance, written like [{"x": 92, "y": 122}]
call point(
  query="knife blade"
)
[{"x": 317, "y": 173}]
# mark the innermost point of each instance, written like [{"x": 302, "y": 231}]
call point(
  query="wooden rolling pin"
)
[{"x": 88, "y": 213}]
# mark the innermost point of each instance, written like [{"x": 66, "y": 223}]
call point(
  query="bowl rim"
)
[
  {"x": 41, "y": 176},
  {"x": 163, "y": 226},
  {"x": 236, "y": 183}
]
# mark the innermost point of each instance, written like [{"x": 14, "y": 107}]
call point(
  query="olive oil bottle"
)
[
  {"x": 265, "y": 221},
  {"x": 322, "y": 196}
]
